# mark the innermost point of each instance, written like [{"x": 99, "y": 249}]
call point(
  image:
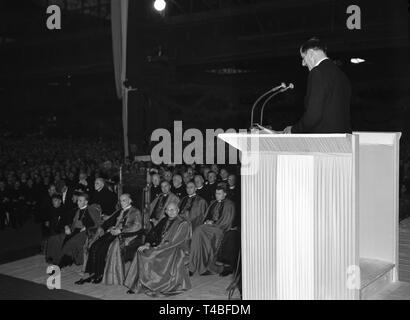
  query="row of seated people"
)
[{"x": 178, "y": 239}]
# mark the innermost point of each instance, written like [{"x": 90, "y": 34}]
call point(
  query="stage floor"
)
[{"x": 34, "y": 268}]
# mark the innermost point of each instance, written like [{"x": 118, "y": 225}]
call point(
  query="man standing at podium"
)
[{"x": 327, "y": 100}]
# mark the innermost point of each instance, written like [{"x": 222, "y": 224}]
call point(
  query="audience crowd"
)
[{"x": 188, "y": 221}]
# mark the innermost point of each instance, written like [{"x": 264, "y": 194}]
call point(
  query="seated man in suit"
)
[
  {"x": 160, "y": 265},
  {"x": 207, "y": 237},
  {"x": 127, "y": 225},
  {"x": 192, "y": 207},
  {"x": 104, "y": 197}
]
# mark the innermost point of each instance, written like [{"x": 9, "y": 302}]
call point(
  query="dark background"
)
[{"x": 202, "y": 61}]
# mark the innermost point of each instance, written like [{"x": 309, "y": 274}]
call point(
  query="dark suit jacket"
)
[
  {"x": 106, "y": 199},
  {"x": 327, "y": 101}
]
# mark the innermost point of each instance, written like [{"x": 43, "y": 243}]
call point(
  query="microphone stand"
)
[
  {"x": 262, "y": 96},
  {"x": 268, "y": 99}
]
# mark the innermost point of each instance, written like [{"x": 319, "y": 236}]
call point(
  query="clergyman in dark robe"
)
[
  {"x": 160, "y": 266},
  {"x": 207, "y": 237},
  {"x": 158, "y": 206},
  {"x": 178, "y": 187},
  {"x": 201, "y": 189},
  {"x": 192, "y": 207},
  {"x": 211, "y": 186},
  {"x": 155, "y": 186},
  {"x": 228, "y": 252}
]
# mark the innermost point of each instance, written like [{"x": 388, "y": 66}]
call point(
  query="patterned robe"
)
[
  {"x": 207, "y": 238},
  {"x": 130, "y": 223},
  {"x": 164, "y": 267},
  {"x": 193, "y": 209},
  {"x": 131, "y": 232},
  {"x": 73, "y": 245},
  {"x": 160, "y": 203}
]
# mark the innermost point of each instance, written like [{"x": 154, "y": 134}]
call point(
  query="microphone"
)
[
  {"x": 285, "y": 88},
  {"x": 281, "y": 86}
]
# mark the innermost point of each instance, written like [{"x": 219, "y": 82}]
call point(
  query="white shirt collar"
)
[
  {"x": 192, "y": 195},
  {"x": 126, "y": 208},
  {"x": 320, "y": 61},
  {"x": 83, "y": 208}
]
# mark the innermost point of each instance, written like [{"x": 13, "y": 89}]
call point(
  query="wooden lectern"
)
[{"x": 314, "y": 206}]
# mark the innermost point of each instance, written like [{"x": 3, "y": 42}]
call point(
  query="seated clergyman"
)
[
  {"x": 128, "y": 224},
  {"x": 192, "y": 207},
  {"x": 160, "y": 265},
  {"x": 178, "y": 187},
  {"x": 207, "y": 237},
  {"x": 85, "y": 224},
  {"x": 157, "y": 207}
]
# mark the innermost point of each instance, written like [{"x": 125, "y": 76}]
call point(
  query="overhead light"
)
[
  {"x": 357, "y": 60},
  {"x": 160, "y": 5}
]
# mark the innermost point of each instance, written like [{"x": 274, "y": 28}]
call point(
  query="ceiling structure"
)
[
  {"x": 193, "y": 32},
  {"x": 200, "y": 52}
]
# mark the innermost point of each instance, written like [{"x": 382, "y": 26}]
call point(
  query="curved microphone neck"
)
[
  {"x": 283, "y": 89},
  {"x": 262, "y": 96}
]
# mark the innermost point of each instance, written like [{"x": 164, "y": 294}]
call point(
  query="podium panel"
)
[
  {"x": 295, "y": 227},
  {"x": 304, "y": 229}
]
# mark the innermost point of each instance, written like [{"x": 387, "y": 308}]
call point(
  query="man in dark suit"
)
[
  {"x": 327, "y": 100},
  {"x": 104, "y": 197}
]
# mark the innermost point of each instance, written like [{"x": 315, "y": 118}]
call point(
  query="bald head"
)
[
  {"x": 99, "y": 184},
  {"x": 172, "y": 210},
  {"x": 125, "y": 200},
  {"x": 156, "y": 179}
]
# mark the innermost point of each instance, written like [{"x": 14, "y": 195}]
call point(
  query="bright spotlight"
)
[
  {"x": 357, "y": 60},
  {"x": 160, "y": 5}
]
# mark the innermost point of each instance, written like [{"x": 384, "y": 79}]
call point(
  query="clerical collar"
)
[
  {"x": 192, "y": 195},
  {"x": 320, "y": 61},
  {"x": 126, "y": 208},
  {"x": 83, "y": 207}
]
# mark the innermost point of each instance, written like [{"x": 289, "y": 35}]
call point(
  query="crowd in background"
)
[{"x": 31, "y": 169}]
